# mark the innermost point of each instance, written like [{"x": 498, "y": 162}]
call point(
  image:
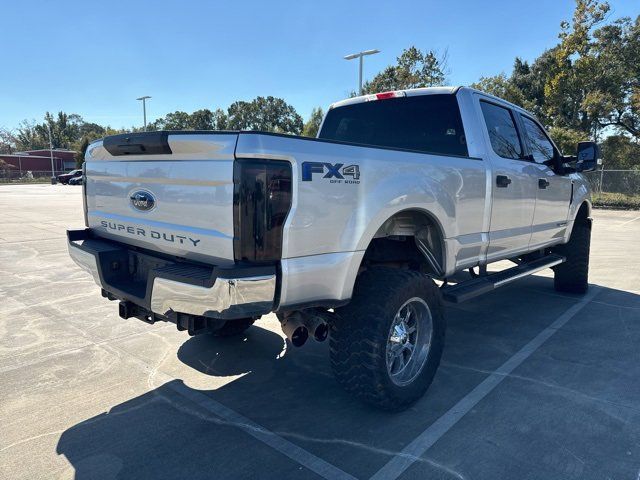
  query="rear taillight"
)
[
  {"x": 261, "y": 203},
  {"x": 84, "y": 194}
]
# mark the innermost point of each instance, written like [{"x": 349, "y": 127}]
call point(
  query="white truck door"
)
[
  {"x": 514, "y": 185},
  {"x": 553, "y": 190}
]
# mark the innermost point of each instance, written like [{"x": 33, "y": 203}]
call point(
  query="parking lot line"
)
[
  {"x": 412, "y": 452},
  {"x": 628, "y": 221},
  {"x": 233, "y": 418}
]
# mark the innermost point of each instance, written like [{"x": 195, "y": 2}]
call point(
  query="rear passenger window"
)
[
  {"x": 426, "y": 123},
  {"x": 539, "y": 144},
  {"x": 502, "y": 130}
]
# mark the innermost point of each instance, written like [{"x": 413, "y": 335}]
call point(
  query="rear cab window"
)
[
  {"x": 503, "y": 134},
  {"x": 423, "y": 123}
]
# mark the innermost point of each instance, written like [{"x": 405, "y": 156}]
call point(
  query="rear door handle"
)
[
  {"x": 502, "y": 181},
  {"x": 543, "y": 183}
]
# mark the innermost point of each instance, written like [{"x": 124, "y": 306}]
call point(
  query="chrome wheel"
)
[{"x": 409, "y": 341}]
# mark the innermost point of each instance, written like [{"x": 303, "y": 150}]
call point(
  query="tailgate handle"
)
[{"x": 133, "y": 148}]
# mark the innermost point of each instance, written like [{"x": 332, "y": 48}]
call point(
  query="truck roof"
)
[{"x": 412, "y": 92}]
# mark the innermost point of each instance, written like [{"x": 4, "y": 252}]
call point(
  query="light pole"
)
[
  {"x": 53, "y": 173},
  {"x": 144, "y": 109},
  {"x": 360, "y": 55}
]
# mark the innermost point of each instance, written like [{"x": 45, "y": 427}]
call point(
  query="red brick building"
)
[{"x": 40, "y": 160}]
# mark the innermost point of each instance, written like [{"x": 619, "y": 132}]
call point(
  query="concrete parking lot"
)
[{"x": 533, "y": 384}]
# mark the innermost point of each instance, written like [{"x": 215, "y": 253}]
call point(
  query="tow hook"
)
[{"x": 127, "y": 310}]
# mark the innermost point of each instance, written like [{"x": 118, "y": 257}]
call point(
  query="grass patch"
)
[
  {"x": 620, "y": 201},
  {"x": 19, "y": 181}
]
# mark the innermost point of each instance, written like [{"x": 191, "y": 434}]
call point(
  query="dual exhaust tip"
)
[{"x": 298, "y": 327}]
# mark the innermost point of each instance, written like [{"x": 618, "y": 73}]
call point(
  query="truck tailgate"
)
[{"x": 171, "y": 193}]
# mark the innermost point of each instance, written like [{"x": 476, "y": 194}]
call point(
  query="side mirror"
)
[{"x": 588, "y": 156}]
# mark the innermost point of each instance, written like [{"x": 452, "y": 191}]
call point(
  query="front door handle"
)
[
  {"x": 502, "y": 181},
  {"x": 543, "y": 183}
]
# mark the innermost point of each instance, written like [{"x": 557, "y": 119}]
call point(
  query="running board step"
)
[{"x": 463, "y": 291}]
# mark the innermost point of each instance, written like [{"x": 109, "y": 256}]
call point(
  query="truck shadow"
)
[{"x": 291, "y": 392}]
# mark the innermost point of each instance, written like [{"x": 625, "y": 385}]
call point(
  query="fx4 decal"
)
[{"x": 335, "y": 172}]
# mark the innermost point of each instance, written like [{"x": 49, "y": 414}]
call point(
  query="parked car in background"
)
[
  {"x": 77, "y": 180},
  {"x": 65, "y": 177}
]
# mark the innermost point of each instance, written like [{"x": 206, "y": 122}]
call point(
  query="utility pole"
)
[
  {"x": 53, "y": 173},
  {"x": 360, "y": 56},
  {"x": 144, "y": 109}
]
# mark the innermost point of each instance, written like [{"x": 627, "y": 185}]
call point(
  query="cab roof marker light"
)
[{"x": 385, "y": 95}]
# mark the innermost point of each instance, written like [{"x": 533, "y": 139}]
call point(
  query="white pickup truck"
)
[{"x": 344, "y": 235}]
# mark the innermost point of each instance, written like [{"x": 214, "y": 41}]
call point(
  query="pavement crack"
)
[{"x": 30, "y": 439}]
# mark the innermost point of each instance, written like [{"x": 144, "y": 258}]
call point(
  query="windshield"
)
[{"x": 426, "y": 123}]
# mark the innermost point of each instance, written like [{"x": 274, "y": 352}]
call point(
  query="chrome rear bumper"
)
[
  {"x": 243, "y": 296},
  {"x": 87, "y": 261},
  {"x": 168, "y": 287}
]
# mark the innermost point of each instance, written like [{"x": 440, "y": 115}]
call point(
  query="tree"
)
[
  {"x": 81, "y": 151},
  {"x": 525, "y": 86},
  {"x": 574, "y": 70},
  {"x": 66, "y": 130},
  {"x": 7, "y": 141},
  {"x": 531, "y": 80},
  {"x": 219, "y": 120},
  {"x": 312, "y": 125},
  {"x": 92, "y": 131},
  {"x": 500, "y": 86},
  {"x": 269, "y": 114},
  {"x": 567, "y": 139},
  {"x": 585, "y": 87},
  {"x": 29, "y": 138},
  {"x": 178, "y": 120},
  {"x": 203, "y": 119},
  {"x": 414, "y": 69},
  {"x": 620, "y": 152},
  {"x": 614, "y": 100}
]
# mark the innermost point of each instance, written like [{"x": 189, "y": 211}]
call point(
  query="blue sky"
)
[{"x": 94, "y": 59}]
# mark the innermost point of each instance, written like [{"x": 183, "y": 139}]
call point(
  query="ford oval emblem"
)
[{"x": 142, "y": 200}]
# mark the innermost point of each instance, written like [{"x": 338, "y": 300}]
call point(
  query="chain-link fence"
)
[
  {"x": 27, "y": 176},
  {"x": 615, "y": 181}
]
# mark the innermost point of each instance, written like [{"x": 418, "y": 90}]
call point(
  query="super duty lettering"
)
[{"x": 143, "y": 232}]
